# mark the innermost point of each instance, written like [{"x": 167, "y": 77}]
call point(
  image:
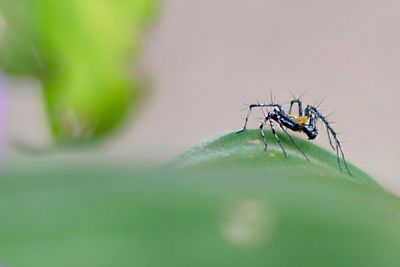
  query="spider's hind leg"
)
[
  {"x": 258, "y": 105},
  {"x": 263, "y": 133},
  {"x": 246, "y": 120},
  {"x": 276, "y": 137}
]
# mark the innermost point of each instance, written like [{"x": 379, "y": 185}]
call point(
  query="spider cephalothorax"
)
[{"x": 305, "y": 122}]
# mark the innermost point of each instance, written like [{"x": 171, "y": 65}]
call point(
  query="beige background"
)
[{"x": 206, "y": 58}]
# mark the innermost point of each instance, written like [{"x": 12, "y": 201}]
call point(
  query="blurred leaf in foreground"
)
[
  {"x": 3, "y": 116},
  {"x": 229, "y": 204},
  {"x": 101, "y": 215},
  {"x": 81, "y": 50}
]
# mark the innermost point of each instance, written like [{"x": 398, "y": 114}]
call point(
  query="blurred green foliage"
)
[
  {"x": 82, "y": 51},
  {"x": 228, "y": 203}
]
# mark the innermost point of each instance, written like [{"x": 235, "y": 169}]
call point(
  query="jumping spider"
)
[{"x": 305, "y": 122}]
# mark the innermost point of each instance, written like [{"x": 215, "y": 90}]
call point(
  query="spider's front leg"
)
[{"x": 331, "y": 132}]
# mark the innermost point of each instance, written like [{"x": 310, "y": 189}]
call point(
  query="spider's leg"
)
[
  {"x": 291, "y": 106},
  {"x": 276, "y": 137},
  {"x": 248, "y": 113},
  {"x": 294, "y": 141},
  {"x": 338, "y": 157},
  {"x": 330, "y": 139},
  {"x": 245, "y": 121},
  {"x": 263, "y": 133},
  {"x": 344, "y": 159},
  {"x": 299, "y": 106},
  {"x": 339, "y": 150}
]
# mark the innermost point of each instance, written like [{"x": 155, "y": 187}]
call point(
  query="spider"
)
[{"x": 305, "y": 122}]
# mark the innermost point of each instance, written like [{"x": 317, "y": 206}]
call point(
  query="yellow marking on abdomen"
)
[{"x": 301, "y": 120}]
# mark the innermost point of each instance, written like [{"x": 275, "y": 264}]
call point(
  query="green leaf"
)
[
  {"x": 100, "y": 215},
  {"x": 225, "y": 203},
  {"x": 81, "y": 50},
  {"x": 246, "y": 151}
]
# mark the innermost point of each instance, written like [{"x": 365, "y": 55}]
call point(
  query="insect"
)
[{"x": 305, "y": 122}]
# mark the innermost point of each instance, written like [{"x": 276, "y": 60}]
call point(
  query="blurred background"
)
[{"x": 142, "y": 87}]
